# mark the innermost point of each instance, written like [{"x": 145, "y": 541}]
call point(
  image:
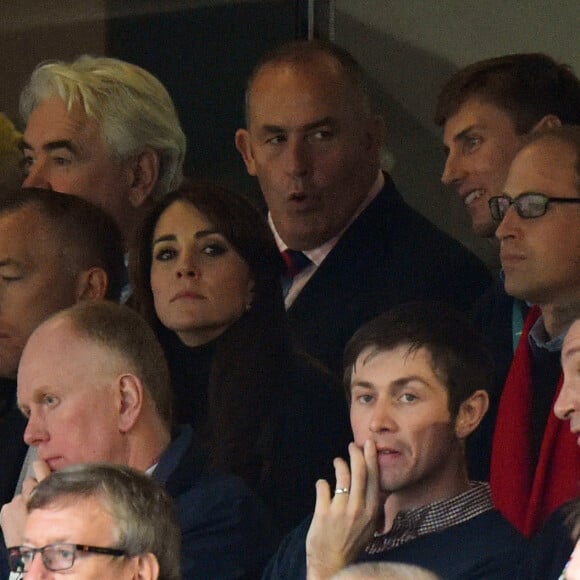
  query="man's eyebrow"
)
[
  {"x": 53, "y": 145},
  {"x": 397, "y": 384},
  {"x": 362, "y": 385},
  {"x": 9, "y": 262},
  {"x": 570, "y": 352},
  {"x": 403, "y": 382},
  {"x": 463, "y": 134},
  {"x": 308, "y": 127},
  {"x": 319, "y": 123}
]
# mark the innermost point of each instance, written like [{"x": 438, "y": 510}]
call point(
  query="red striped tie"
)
[{"x": 295, "y": 262}]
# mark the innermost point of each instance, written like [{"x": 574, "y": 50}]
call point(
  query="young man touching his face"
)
[{"x": 417, "y": 381}]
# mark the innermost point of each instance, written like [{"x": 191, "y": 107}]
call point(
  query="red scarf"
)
[{"x": 526, "y": 496}]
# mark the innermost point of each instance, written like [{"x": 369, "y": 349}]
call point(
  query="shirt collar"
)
[
  {"x": 434, "y": 517},
  {"x": 539, "y": 338}
]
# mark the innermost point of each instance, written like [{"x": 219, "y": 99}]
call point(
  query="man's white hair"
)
[
  {"x": 132, "y": 107},
  {"x": 385, "y": 571}
]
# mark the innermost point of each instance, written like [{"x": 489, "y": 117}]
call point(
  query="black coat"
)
[{"x": 389, "y": 255}]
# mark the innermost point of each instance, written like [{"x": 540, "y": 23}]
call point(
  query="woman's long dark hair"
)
[{"x": 252, "y": 354}]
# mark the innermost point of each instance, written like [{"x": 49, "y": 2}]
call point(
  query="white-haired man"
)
[{"x": 103, "y": 129}]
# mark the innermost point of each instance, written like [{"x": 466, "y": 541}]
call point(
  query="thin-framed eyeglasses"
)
[
  {"x": 55, "y": 557},
  {"x": 528, "y": 205}
]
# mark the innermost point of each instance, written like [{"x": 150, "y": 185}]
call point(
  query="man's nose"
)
[
  {"x": 37, "y": 569},
  {"x": 508, "y": 225},
  {"x": 297, "y": 157},
  {"x": 382, "y": 418},
  {"x": 37, "y": 176},
  {"x": 454, "y": 170},
  {"x": 34, "y": 433},
  {"x": 564, "y": 406}
]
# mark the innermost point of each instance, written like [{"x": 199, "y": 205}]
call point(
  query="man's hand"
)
[
  {"x": 13, "y": 514},
  {"x": 342, "y": 525}
]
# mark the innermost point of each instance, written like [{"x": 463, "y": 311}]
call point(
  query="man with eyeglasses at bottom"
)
[
  {"x": 535, "y": 462},
  {"x": 99, "y": 521}
]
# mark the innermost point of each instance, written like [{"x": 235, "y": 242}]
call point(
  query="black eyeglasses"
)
[
  {"x": 55, "y": 557},
  {"x": 528, "y": 205}
]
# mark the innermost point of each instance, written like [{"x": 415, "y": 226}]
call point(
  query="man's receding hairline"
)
[
  {"x": 315, "y": 62},
  {"x": 51, "y": 227},
  {"x": 543, "y": 139},
  {"x": 80, "y": 333}
]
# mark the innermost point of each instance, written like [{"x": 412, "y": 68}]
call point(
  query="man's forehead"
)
[
  {"x": 545, "y": 166},
  {"x": 400, "y": 352},
  {"x": 27, "y": 234},
  {"x": 17, "y": 224},
  {"x": 53, "y": 121},
  {"x": 571, "y": 345},
  {"x": 477, "y": 112},
  {"x": 315, "y": 79},
  {"x": 71, "y": 518}
]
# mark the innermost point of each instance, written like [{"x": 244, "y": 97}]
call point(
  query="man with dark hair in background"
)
[
  {"x": 486, "y": 109},
  {"x": 55, "y": 250}
]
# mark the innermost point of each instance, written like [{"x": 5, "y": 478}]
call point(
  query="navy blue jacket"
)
[
  {"x": 12, "y": 446},
  {"x": 485, "y": 547},
  {"x": 550, "y": 548},
  {"x": 226, "y": 531},
  {"x": 389, "y": 255}
]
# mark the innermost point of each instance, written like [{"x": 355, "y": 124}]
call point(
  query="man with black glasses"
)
[
  {"x": 486, "y": 110},
  {"x": 99, "y": 521},
  {"x": 535, "y": 463}
]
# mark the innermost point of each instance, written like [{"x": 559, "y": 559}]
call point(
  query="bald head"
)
[{"x": 87, "y": 399}]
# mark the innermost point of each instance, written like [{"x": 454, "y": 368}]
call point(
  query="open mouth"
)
[{"x": 473, "y": 196}]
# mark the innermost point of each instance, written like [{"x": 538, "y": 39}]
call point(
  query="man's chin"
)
[{"x": 483, "y": 228}]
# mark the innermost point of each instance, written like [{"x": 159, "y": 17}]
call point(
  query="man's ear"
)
[
  {"x": 375, "y": 131},
  {"x": 147, "y": 567},
  {"x": 470, "y": 414},
  {"x": 244, "y": 146},
  {"x": 92, "y": 284},
  {"x": 144, "y": 173},
  {"x": 547, "y": 122},
  {"x": 131, "y": 391}
]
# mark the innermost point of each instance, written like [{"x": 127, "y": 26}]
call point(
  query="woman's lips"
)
[{"x": 187, "y": 295}]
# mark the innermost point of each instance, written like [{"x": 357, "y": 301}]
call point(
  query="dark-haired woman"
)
[{"x": 206, "y": 274}]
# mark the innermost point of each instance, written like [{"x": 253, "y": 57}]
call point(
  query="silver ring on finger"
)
[{"x": 340, "y": 490}]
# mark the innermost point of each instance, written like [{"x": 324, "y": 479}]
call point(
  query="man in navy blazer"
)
[
  {"x": 94, "y": 386},
  {"x": 313, "y": 141}
]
